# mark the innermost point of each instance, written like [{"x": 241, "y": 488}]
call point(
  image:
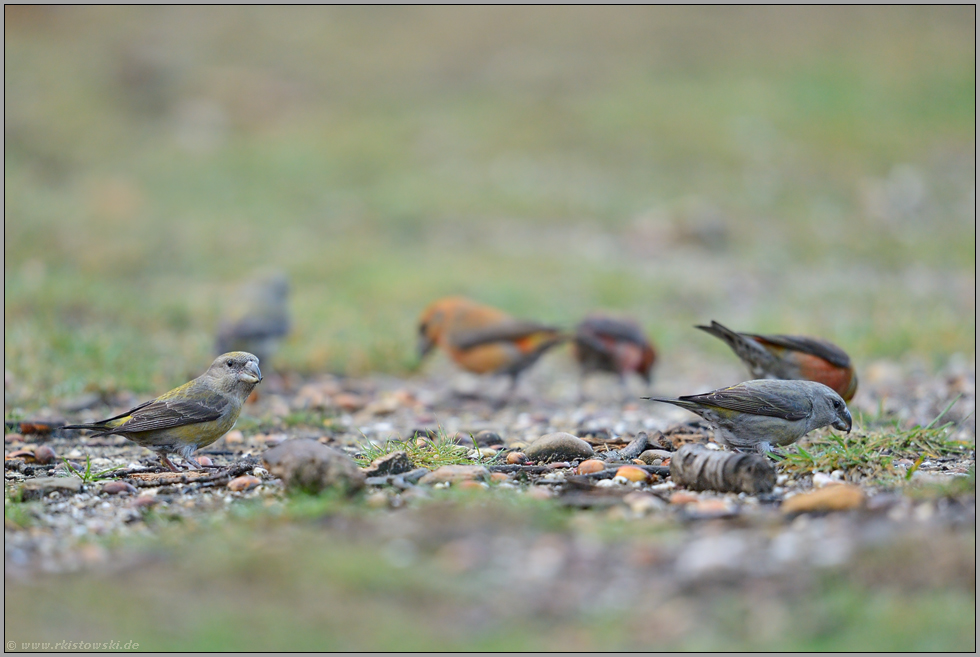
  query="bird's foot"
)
[{"x": 168, "y": 463}]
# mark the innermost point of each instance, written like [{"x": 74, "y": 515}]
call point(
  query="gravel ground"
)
[{"x": 358, "y": 411}]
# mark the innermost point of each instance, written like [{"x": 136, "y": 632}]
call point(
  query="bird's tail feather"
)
[
  {"x": 96, "y": 426},
  {"x": 676, "y": 402},
  {"x": 722, "y": 332}
]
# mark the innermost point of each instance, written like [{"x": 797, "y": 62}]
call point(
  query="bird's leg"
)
[
  {"x": 168, "y": 463},
  {"x": 192, "y": 463}
]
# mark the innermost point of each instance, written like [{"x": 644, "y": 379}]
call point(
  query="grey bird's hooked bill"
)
[{"x": 760, "y": 414}]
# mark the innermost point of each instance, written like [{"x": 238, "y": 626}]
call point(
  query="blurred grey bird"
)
[
  {"x": 258, "y": 317},
  {"x": 756, "y": 415}
]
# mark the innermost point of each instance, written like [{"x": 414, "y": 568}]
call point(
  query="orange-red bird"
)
[
  {"x": 617, "y": 345},
  {"x": 483, "y": 339},
  {"x": 791, "y": 357}
]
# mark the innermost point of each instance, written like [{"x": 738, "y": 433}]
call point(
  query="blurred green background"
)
[{"x": 779, "y": 169}]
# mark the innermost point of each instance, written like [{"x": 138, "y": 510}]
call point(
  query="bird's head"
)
[
  {"x": 434, "y": 321},
  {"x": 832, "y": 409},
  {"x": 236, "y": 370}
]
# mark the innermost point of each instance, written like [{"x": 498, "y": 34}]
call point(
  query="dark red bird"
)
[
  {"x": 610, "y": 344},
  {"x": 791, "y": 357}
]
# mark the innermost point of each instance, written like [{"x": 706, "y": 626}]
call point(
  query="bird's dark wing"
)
[
  {"x": 756, "y": 402},
  {"x": 170, "y": 413},
  {"x": 129, "y": 412},
  {"x": 608, "y": 327},
  {"x": 814, "y": 346},
  {"x": 503, "y": 331}
]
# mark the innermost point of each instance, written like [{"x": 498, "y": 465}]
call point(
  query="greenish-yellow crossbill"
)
[
  {"x": 190, "y": 416},
  {"x": 756, "y": 415}
]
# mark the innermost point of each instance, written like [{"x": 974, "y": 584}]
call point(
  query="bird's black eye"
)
[
  {"x": 837, "y": 403},
  {"x": 231, "y": 363}
]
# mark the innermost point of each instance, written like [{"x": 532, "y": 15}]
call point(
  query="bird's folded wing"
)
[
  {"x": 170, "y": 413},
  {"x": 612, "y": 328},
  {"x": 510, "y": 330},
  {"x": 593, "y": 342},
  {"x": 755, "y": 402},
  {"x": 129, "y": 412},
  {"x": 821, "y": 348}
]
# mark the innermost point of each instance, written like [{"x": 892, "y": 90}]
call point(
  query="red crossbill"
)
[
  {"x": 258, "y": 317},
  {"x": 762, "y": 413},
  {"x": 791, "y": 357},
  {"x": 483, "y": 339},
  {"x": 617, "y": 345},
  {"x": 190, "y": 416}
]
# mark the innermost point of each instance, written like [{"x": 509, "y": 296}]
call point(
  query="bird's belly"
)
[
  {"x": 200, "y": 434},
  {"x": 486, "y": 358},
  {"x": 750, "y": 430}
]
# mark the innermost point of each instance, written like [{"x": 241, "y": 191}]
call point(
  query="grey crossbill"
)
[
  {"x": 258, "y": 317},
  {"x": 482, "y": 339},
  {"x": 791, "y": 357},
  {"x": 610, "y": 344},
  {"x": 762, "y": 413},
  {"x": 190, "y": 416}
]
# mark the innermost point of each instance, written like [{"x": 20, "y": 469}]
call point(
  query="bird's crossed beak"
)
[
  {"x": 251, "y": 373},
  {"x": 843, "y": 421}
]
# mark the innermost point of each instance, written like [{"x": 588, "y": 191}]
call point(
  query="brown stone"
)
[
  {"x": 558, "y": 446},
  {"x": 45, "y": 455},
  {"x": 834, "y": 497},
  {"x": 235, "y": 437},
  {"x": 349, "y": 401},
  {"x": 455, "y": 473},
  {"x": 683, "y": 498},
  {"x": 243, "y": 483},
  {"x": 632, "y": 473},
  {"x": 118, "y": 488},
  {"x": 306, "y": 465},
  {"x": 590, "y": 466}
]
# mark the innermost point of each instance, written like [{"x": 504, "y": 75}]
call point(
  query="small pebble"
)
[
  {"x": 632, "y": 473},
  {"x": 835, "y": 497},
  {"x": 488, "y": 438},
  {"x": 235, "y": 437},
  {"x": 469, "y": 484},
  {"x": 145, "y": 501},
  {"x": 538, "y": 493},
  {"x": 682, "y": 497},
  {"x": 590, "y": 466},
  {"x": 499, "y": 477},
  {"x": 243, "y": 483},
  {"x": 516, "y": 458},
  {"x": 558, "y": 446},
  {"x": 455, "y": 473},
  {"x": 205, "y": 460},
  {"x": 44, "y": 455},
  {"x": 118, "y": 488}
]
